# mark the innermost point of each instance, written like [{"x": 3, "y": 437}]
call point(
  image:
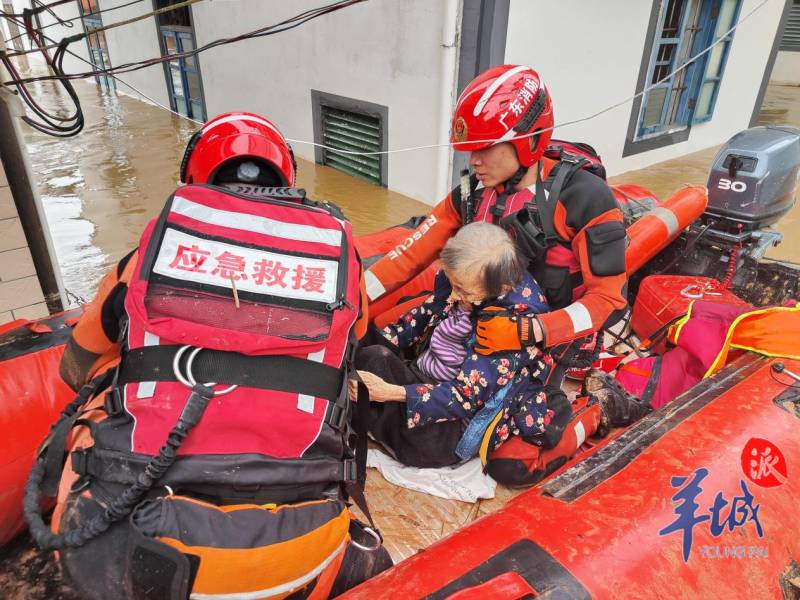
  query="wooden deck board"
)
[{"x": 411, "y": 521}]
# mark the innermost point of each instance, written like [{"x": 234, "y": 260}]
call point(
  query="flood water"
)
[
  {"x": 781, "y": 107},
  {"x": 100, "y": 188}
]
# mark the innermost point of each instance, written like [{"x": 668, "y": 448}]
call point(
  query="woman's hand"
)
[{"x": 379, "y": 390}]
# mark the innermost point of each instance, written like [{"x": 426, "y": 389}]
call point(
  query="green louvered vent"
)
[
  {"x": 356, "y": 133},
  {"x": 791, "y": 35}
]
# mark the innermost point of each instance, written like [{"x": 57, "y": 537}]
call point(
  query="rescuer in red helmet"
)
[
  {"x": 246, "y": 154},
  {"x": 242, "y": 151},
  {"x": 564, "y": 218}
]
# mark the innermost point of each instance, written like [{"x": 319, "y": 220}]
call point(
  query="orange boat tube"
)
[
  {"x": 32, "y": 395},
  {"x": 661, "y": 225}
]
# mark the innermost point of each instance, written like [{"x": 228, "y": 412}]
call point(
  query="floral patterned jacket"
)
[{"x": 501, "y": 393}]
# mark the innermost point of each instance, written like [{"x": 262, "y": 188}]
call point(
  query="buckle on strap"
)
[
  {"x": 571, "y": 159},
  {"x": 189, "y": 380},
  {"x": 80, "y": 462},
  {"x": 337, "y": 416},
  {"x": 112, "y": 403},
  {"x": 349, "y": 470}
]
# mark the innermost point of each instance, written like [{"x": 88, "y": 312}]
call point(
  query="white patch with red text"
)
[
  {"x": 184, "y": 256},
  {"x": 489, "y": 92},
  {"x": 518, "y": 105}
]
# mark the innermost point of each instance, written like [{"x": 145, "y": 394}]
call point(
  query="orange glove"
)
[{"x": 496, "y": 331}]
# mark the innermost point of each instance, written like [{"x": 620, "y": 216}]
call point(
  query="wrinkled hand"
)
[{"x": 379, "y": 390}]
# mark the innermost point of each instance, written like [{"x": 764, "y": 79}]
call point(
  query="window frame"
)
[
  {"x": 638, "y": 139},
  {"x": 178, "y": 32},
  {"x": 699, "y": 73},
  {"x": 662, "y": 126},
  {"x": 92, "y": 20}
]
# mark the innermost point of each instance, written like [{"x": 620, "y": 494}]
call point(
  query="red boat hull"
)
[
  {"x": 594, "y": 530},
  {"x": 32, "y": 395}
]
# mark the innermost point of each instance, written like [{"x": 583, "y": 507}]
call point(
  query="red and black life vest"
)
[
  {"x": 259, "y": 296},
  {"x": 529, "y": 218}
]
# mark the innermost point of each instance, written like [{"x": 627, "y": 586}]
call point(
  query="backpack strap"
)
[
  {"x": 546, "y": 202},
  {"x": 54, "y": 446},
  {"x": 122, "y": 505}
]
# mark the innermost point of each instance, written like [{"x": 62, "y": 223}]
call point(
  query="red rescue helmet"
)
[
  {"x": 238, "y": 146},
  {"x": 502, "y": 103}
]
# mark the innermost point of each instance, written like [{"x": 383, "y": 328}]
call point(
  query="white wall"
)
[
  {"x": 57, "y": 32},
  {"x": 135, "y": 42},
  {"x": 787, "y": 68},
  {"x": 601, "y": 47},
  {"x": 385, "y": 51}
]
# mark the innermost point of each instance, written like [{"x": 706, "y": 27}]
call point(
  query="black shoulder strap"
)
[
  {"x": 499, "y": 207},
  {"x": 546, "y": 202}
]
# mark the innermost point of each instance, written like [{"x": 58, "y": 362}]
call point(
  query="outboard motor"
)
[{"x": 752, "y": 184}]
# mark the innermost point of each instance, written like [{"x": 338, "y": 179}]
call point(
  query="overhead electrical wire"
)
[
  {"x": 272, "y": 29},
  {"x": 46, "y": 7},
  {"x": 313, "y": 13},
  {"x": 128, "y": 85},
  {"x": 41, "y": 8},
  {"x": 47, "y": 125},
  {"x": 78, "y": 18}
]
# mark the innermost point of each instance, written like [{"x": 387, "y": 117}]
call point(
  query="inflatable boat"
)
[{"x": 698, "y": 499}]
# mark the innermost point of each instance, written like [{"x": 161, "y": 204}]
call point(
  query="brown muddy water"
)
[{"x": 100, "y": 188}]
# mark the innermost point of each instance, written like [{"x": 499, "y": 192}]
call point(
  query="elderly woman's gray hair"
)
[{"x": 487, "y": 251}]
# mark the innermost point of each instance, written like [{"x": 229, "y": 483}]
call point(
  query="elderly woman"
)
[{"x": 433, "y": 400}]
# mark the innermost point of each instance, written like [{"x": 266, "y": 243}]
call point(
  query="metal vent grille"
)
[
  {"x": 791, "y": 35},
  {"x": 354, "y": 132}
]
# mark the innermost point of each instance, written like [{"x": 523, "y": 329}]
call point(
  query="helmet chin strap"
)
[
  {"x": 513, "y": 181},
  {"x": 499, "y": 208}
]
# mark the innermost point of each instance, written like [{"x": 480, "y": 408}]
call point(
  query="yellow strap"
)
[
  {"x": 676, "y": 329},
  {"x": 484, "y": 450}
]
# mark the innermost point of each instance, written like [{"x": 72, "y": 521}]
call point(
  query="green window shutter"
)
[
  {"x": 353, "y": 132},
  {"x": 791, "y": 35}
]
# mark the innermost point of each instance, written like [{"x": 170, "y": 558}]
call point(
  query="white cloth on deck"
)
[{"x": 465, "y": 482}]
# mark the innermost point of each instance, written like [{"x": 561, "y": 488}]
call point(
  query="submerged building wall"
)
[
  {"x": 591, "y": 56},
  {"x": 385, "y": 55}
]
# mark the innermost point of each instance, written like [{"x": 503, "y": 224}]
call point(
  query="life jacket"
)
[
  {"x": 519, "y": 463},
  {"x": 224, "y": 451},
  {"x": 705, "y": 340}
]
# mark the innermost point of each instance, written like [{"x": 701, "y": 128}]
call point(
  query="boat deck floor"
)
[{"x": 411, "y": 521}]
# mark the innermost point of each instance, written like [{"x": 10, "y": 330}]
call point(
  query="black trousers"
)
[{"x": 429, "y": 446}]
